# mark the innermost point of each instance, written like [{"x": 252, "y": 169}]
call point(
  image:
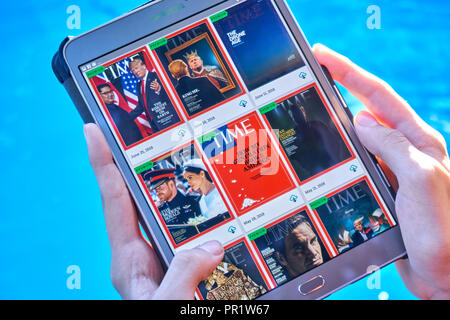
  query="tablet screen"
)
[{"x": 231, "y": 138}]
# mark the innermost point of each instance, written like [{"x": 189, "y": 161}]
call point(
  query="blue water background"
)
[{"x": 51, "y": 215}]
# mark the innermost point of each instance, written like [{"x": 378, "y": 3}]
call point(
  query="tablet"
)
[{"x": 225, "y": 127}]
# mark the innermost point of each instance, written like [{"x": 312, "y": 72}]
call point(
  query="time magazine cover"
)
[
  {"x": 291, "y": 247},
  {"x": 258, "y": 43},
  {"x": 198, "y": 70},
  {"x": 352, "y": 216},
  {"x": 248, "y": 165},
  {"x": 134, "y": 97},
  {"x": 185, "y": 194},
  {"x": 307, "y": 134},
  {"x": 236, "y": 278}
]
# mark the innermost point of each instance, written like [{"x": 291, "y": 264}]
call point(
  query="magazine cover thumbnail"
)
[
  {"x": 249, "y": 168},
  {"x": 198, "y": 69},
  {"x": 258, "y": 42},
  {"x": 134, "y": 98},
  {"x": 185, "y": 194},
  {"x": 352, "y": 216},
  {"x": 291, "y": 247},
  {"x": 236, "y": 278},
  {"x": 307, "y": 133}
]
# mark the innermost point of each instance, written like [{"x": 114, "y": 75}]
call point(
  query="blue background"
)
[{"x": 51, "y": 214}]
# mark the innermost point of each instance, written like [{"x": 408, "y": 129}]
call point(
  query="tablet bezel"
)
[{"x": 339, "y": 271}]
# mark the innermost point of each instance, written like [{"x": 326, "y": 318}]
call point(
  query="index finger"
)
[
  {"x": 120, "y": 214},
  {"x": 373, "y": 92},
  {"x": 381, "y": 100}
]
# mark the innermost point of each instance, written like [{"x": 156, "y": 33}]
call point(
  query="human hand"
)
[
  {"x": 155, "y": 86},
  {"x": 417, "y": 155},
  {"x": 136, "y": 271}
]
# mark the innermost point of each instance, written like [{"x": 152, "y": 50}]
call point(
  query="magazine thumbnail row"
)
[
  {"x": 135, "y": 95},
  {"x": 203, "y": 184},
  {"x": 251, "y": 167},
  {"x": 294, "y": 244}
]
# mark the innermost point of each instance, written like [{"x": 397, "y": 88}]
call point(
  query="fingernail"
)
[
  {"x": 366, "y": 120},
  {"x": 213, "y": 247},
  {"x": 318, "y": 45},
  {"x": 86, "y": 130}
]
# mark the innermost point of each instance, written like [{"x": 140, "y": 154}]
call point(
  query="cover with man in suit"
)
[
  {"x": 152, "y": 98},
  {"x": 346, "y": 215}
]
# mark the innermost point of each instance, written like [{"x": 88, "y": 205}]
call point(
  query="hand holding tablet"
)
[
  {"x": 425, "y": 272},
  {"x": 225, "y": 130},
  {"x": 417, "y": 156}
]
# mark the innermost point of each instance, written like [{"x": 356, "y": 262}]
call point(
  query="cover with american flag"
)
[
  {"x": 124, "y": 84},
  {"x": 140, "y": 97}
]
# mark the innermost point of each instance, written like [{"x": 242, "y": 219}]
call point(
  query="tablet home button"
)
[{"x": 311, "y": 285}]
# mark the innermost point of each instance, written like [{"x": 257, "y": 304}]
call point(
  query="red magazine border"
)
[
  {"x": 159, "y": 216},
  {"x": 271, "y": 224},
  {"x": 334, "y": 192},
  {"x": 255, "y": 261},
  {"x": 209, "y": 109},
  {"x": 353, "y": 156},
  {"x": 239, "y": 212},
  {"x": 164, "y": 84}
]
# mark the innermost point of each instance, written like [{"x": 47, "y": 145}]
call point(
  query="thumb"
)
[
  {"x": 388, "y": 144},
  {"x": 187, "y": 270}
]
